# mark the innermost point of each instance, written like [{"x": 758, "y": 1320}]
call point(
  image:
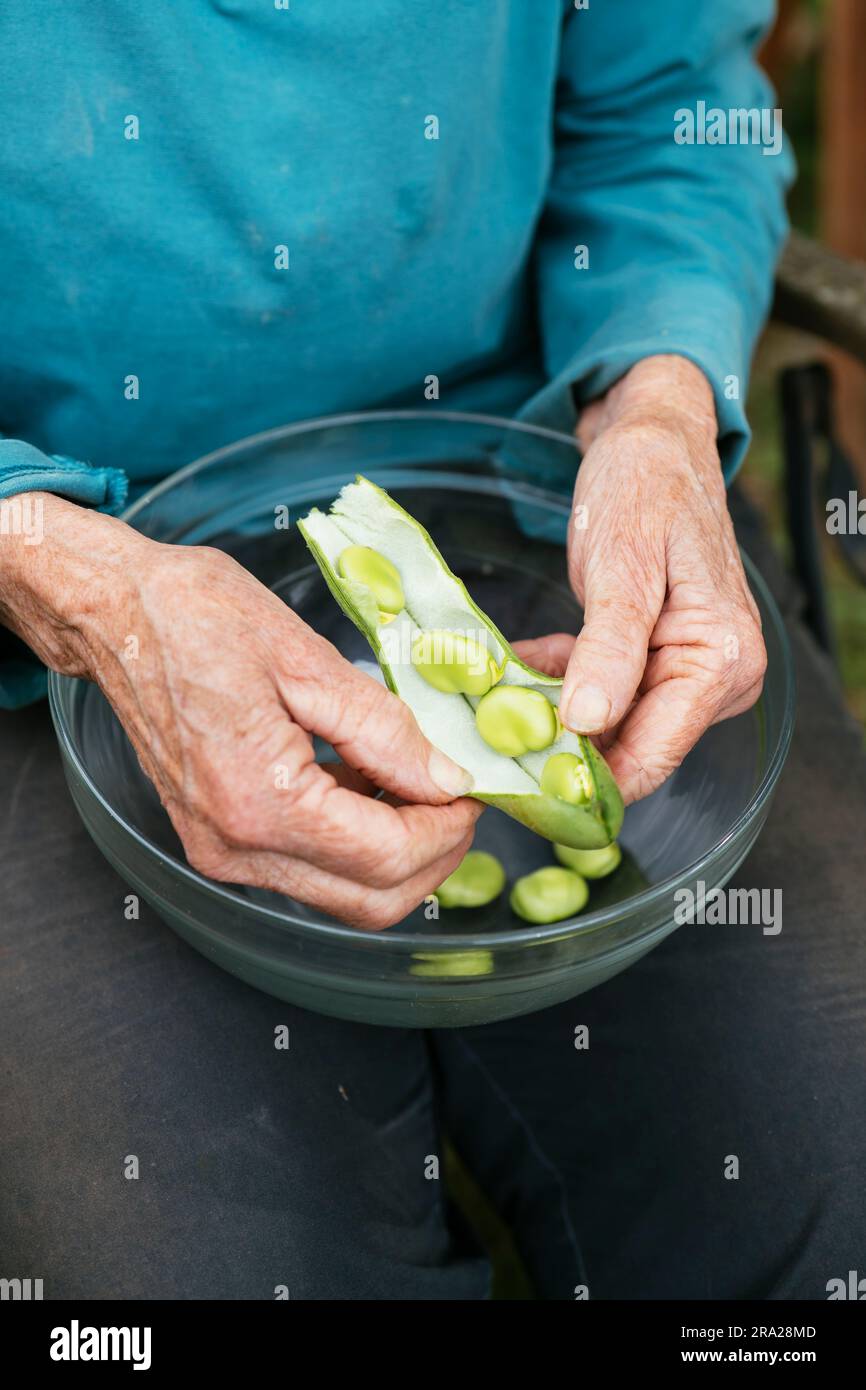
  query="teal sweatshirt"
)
[{"x": 218, "y": 216}]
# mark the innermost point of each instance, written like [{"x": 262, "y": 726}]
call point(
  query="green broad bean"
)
[
  {"x": 567, "y": 777},
  {"x": 454, "y": 663},
  {"x": 444, "y": 965},
  {"x": 362, "y": 565},
  {"x": 515, "y": 720},
  {"x": 477, "y": 880},
  {"x": 590, "y": 863},
  {"x": 549, "y": 895}
]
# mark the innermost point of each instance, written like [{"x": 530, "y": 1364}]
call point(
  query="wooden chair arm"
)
[{"x": 823, "y": 293}]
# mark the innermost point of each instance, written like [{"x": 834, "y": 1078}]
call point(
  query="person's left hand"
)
[{"x": 671, "y": 641}]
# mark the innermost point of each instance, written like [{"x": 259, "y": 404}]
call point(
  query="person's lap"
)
[
  {"x": 307, "y": 1168},
  {"x": 723, "y": 1043},
  {"x": 260, "y": 1167}
]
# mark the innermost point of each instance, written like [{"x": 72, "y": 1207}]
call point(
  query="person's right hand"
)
[{"x": 220, "y": 686}]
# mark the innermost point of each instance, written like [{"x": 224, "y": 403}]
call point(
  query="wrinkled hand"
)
[
  {"x": 220, "y": 686},
  {"x": 220, "y": 702},
  {"x": 671, "y": 641}
]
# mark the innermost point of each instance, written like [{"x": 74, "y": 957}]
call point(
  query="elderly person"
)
[{"x": 224, "y": 214}]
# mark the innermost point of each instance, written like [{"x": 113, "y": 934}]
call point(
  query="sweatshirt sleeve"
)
[
  {"x": 24, "y": 468},
  {"x": 681, "y": 232}
]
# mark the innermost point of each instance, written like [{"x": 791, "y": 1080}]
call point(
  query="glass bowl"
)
[{"x": 495, "y": 496}]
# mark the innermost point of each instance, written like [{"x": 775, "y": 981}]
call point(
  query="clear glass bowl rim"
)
[{"x": 392, "y": 939}]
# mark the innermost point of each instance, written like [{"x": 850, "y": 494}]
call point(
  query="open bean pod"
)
[{"x": 471, "y": 695}]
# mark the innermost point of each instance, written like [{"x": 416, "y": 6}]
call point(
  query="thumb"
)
[
  {"x": 372, "y": 730},
  {"x": 547, "y": 654},
  {"x": 609, "y": 657}
]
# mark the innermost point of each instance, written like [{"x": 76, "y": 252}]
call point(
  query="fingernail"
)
[
  {"x": 588, "y": 710},
  {"x": 449, "y": 776}
]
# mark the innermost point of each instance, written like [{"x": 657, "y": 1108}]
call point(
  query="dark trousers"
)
[{"x": 313, "y": 1170}]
